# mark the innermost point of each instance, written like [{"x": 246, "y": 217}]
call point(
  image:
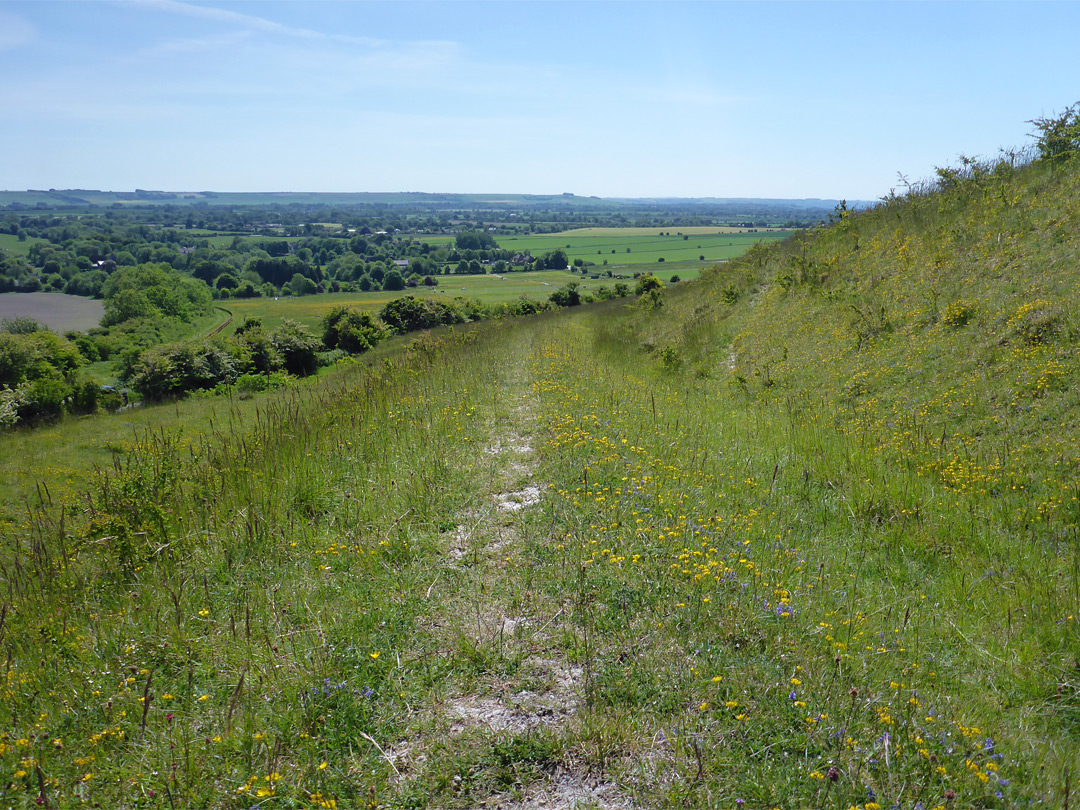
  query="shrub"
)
[
  {"x": 84, "y": 396},
  {"x": 44, "y": 399},
  {"x": 351, "y": 331},
  {"x": 410, "y": 314},
  {"x": 647, "y": 283},
  {"x": 297, "y": 347},
  {"x": 21, "y": 325},
  {"x": 11, "y": 400},
  {"x": 567, "y": 296},
  {"x": 1058, "y": 139},
  {"x": 173, "y": 370}
]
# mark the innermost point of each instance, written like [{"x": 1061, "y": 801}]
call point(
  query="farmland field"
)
[
  {"x": 11, "y": 246},
  {"x": 635, "y": 246},
  {"x": 59, "y": 312}
]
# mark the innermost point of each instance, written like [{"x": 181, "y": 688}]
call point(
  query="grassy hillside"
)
[{"x": 801, "y": 533}]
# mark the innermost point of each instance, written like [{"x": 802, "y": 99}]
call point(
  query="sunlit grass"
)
[{"x": 807, "y": 529}]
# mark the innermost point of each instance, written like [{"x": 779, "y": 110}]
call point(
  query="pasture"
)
[
  {"x": 61, "y": 313},
  {"x": 11, "y": 246},
  {"x": 636, "y": 246}
]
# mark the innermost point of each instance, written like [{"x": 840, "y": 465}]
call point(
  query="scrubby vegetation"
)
[{"x": 802, "y": 533}]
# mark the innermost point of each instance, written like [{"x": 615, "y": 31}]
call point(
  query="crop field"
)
[
  {"x": 634, "y": 246},
  {"x": 224, "y": 240},
  {"x": 59, "y": 312}
]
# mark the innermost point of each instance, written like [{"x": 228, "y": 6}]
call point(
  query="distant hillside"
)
[{"x": 64, "y": 198}]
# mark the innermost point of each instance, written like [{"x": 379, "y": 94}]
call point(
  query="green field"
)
[
  {"x": 59, "y": 312},
  {"x": 635, "y": 246},
  {"x": 488, "y": 289},
  {"x": 11, "y": 246}
]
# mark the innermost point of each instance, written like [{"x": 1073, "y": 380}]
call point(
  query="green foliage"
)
[
  {"x": 556, "y": 260},
  {"x": 297, "y": 347},
  {"x": 474, "y": 240},
  {"x": 302, "y": 285},
  {"x": 646, "y": 283},
  {"x": 173, "y": 370},
  {"x": 566, "y": 296},
  {"x": 42, "y": 367},
  {"x": 21, "y": 325},
  {"x": 350, "y": 330},
  {"x": 153, "y": 290},
  {"x": 1058, "y": 138},
  {"x": 410, "y": 314},
  {"x": 257, "y": 346}
]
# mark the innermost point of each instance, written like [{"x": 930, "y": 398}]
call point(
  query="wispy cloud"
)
[
  {"x": 255, "y": 23},
  {"x": 195, "y": 44},
  {"x": 15, "y": 32}
]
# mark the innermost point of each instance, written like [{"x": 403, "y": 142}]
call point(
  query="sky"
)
[{"x": 613, "y": 99}]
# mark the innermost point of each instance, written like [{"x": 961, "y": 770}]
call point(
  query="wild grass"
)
[{"x": 806, "y": 537}]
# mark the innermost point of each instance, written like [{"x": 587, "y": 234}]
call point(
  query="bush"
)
[
  {"x": 1058, "y": 139},
  {"x": 411, "y": 314},
  {"x": 180, "y": 368},
  {"x": 567, "y": 296},
  {"x": 647, "y": 283},
  {"x": 351, "y": 331},
  {"x": 298, "y": 348},
  {"x": 11, "y": 400},
  {"x": 44, "y": 399},
  {"x": 256, "y": 383},
  {"x": 84, "y": 397},
  {"x": 21, "y": 325},
  {"x": 109, "y": 399}
]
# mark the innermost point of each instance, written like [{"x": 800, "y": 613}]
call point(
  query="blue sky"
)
[{"x": 767, "y": 99}]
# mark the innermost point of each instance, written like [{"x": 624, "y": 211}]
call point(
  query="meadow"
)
[
  {"x": 12, "y": 246},
  {"x": 631, "y": 247},
  {"x": 801, "y": 533}
]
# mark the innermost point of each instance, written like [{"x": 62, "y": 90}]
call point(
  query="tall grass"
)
[{"x": 807, "y": 538}]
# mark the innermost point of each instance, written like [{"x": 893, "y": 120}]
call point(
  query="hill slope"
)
[{"x": 799, "y": 534}]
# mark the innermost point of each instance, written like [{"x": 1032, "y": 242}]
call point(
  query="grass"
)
[
  {"x": 12, "y": 246},
  {"x": 632, "y": 247},
  {"x": 799, "y": 534}
]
